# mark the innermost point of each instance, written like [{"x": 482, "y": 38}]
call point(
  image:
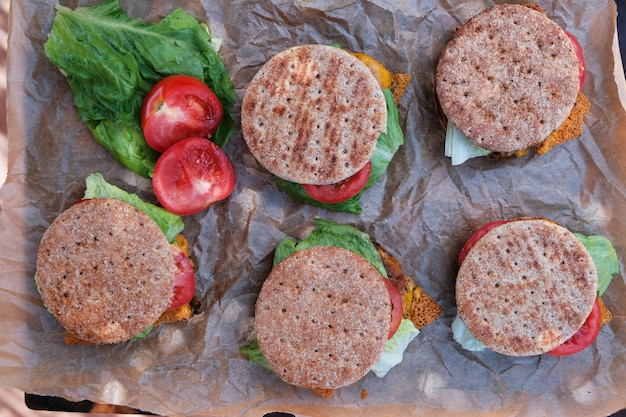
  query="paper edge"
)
[
  {"x": 4, "y": 73},
  {"x": 620, "y": 78}
]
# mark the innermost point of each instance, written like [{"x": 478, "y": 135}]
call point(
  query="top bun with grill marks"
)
[
  {"x": 312, "y": 114},
  {"x": 526, "y": 287}
]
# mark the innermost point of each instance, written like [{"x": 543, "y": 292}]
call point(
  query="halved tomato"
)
[
  {"x": 585, "y": 336},
  {"x": 184, "y": 280},
  {"x": 179, "y": 107},
  {"x": 476, "y": 237},
  {"x": 396, "y": 303},
  {"x": 582, "y": 71},
  {"x": 341, "y": 191},
  {"x": 191, "y": 175}
]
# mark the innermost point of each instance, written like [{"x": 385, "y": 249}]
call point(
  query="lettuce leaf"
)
[
  {"x": 169, "y": 223},
  {"x": 386, "y": 147},
  {"x": 459, "y": 147},
  {"x": 111, "y": 61},
  {"x": 253, "y": 352},
  {"x": 604, "y": 258},
  {"x": 143, "y": 334},
  {"x": 464, "y": 337},
  {"x": 329, "y": 233},
  {"x": 395, "y": 347}
]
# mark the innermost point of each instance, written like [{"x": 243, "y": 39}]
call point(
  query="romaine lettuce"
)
[
  {"x": 253, "y": 352},
  {"x": 604, "y": 258},
  {"x": 459, "y": 147},
  {"x": 395, "y": 347},
  {"x": 463, "y": 337},
  {"x": 111, "y": 61},
  {"x": 329, "y": 233}
]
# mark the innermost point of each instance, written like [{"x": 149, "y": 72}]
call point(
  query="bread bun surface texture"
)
[
  {"x": 508, "y": 78},
  {"x": 105, "y": 270},
  {"x": 312, "y": 114},
  {"x": 526, "y": 287},
  {"x": 322, "y": 318}
]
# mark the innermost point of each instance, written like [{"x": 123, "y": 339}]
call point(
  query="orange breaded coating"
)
[
  {"x": 606, "y": 313},
  {"x": 416, "y": 305},
  {"x": 399, "y": 84},
  {"x": 570, "y": 129}
]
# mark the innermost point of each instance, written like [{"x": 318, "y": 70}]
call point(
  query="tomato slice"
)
[
  {"x": 585, "y": 336},
  {"x": 396, "y": 303},
  {"x": 191, "y": 175},
  {"x": 341, "y": 191},
  {"x": 184, "y": 281},
  {"x": 179, "y": 107},
  {"x": 581, "y": 59},
  {"x": 476, "y": 237}
]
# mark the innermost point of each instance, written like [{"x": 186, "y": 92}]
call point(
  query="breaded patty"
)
[{"x": 417, "y": 306}]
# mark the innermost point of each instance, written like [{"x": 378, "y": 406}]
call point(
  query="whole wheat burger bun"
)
[
  {"x": 508, "y": 78},
  {"x": 322, "y": 318},
  {"x": 312, "y": 114},
  {"x": 526, "y": 287},
  {"x": 105, "y": 270}
]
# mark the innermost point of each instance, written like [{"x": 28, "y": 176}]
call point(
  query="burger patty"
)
[
  {"x": 105, "y": 270},
  {"x": 508, "y": 78}
]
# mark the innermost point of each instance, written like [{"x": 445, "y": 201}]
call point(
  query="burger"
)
[
  {"x": 108, "y": 273},
  {"x": 335, "y": 306},
  {"x": 324, "y": 122},
  {"x": 509, "y": 81},
  {"x": 529, "y": 286}
]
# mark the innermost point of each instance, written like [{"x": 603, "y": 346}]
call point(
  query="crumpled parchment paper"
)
[{"x": 423, "y": 210}]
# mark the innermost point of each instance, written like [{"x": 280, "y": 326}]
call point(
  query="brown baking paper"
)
[{"x": 423, "y": 209}]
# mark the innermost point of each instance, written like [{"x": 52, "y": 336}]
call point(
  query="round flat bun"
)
[
  {"x": 105, "y": 270},
  {"x": 313, "y": 114},
  {"x": 322, "y": 318},
  {"x": 526, "y": 287},
  {"x": 508, "y": 78}
]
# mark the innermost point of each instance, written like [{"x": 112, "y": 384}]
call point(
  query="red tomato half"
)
[
  {"x": 179, "y": 107},
  {"x": 341, "y": 191},
  {"x": 184, "y": 281},
  {"x": 585, "y": 336},
  {"x": 191, "y": 175},
  {"x": 396, "y": 303},
  {"x": 581, "y": 59},
  {"x": 476, "y": 237}
]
